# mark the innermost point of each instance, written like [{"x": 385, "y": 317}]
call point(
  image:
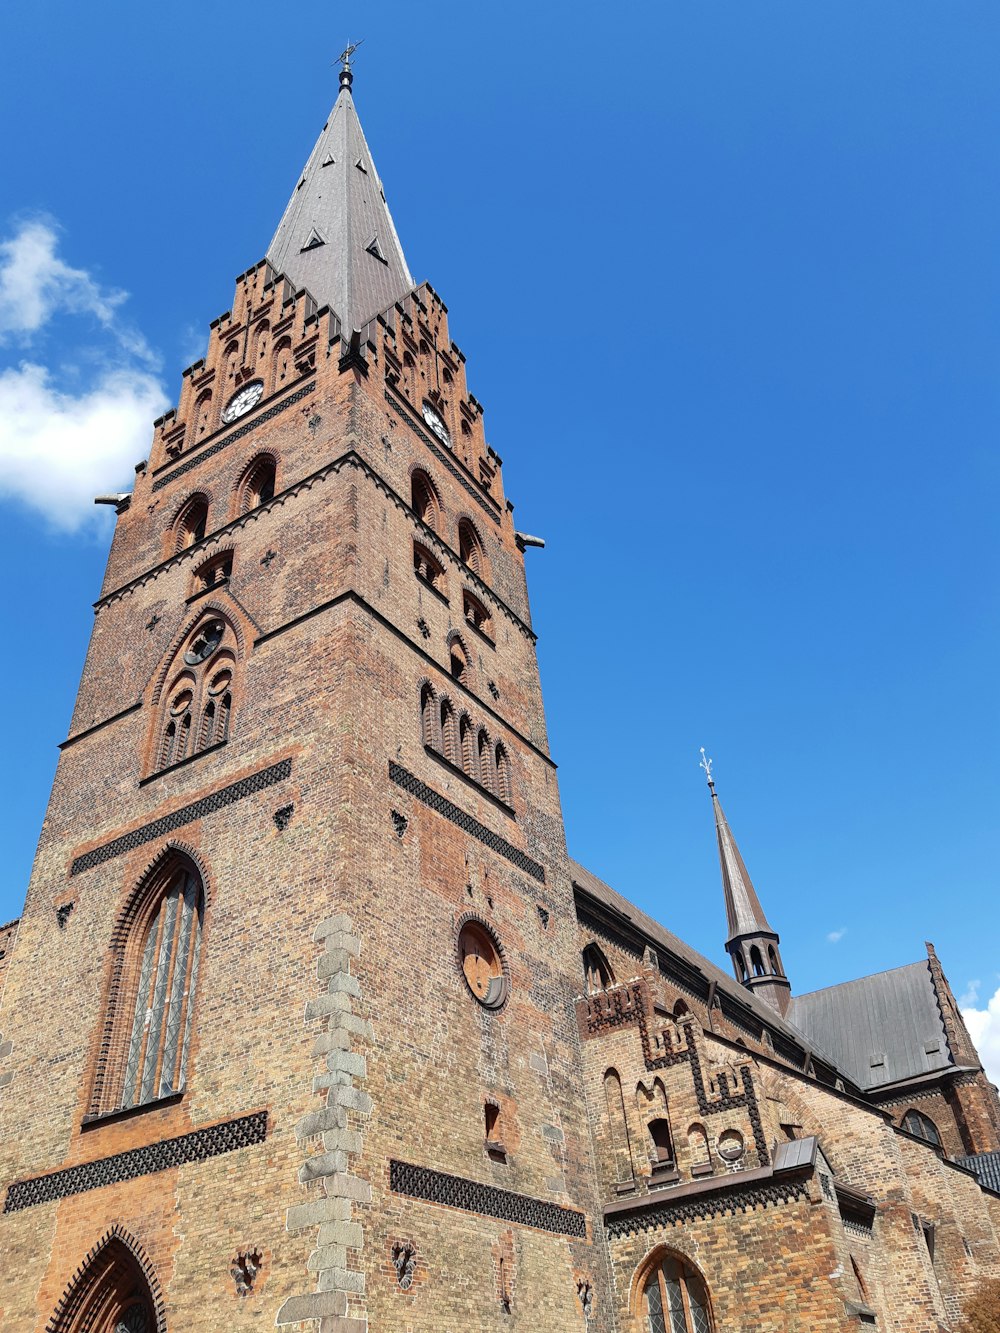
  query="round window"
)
[
  {"x": 182, "y": 703},
  {"x": 221, "y": 682},
  {"x": 730, "y": 1145},
  {"x": 482, "y": 966},
  {"x": 205, "y": 642}
]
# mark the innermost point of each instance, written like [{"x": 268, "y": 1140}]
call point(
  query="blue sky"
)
[{"x": 728, "y": 281}]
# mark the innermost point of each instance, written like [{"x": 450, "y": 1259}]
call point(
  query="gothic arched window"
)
[
  {"x": 923, "y": 1126},
  {"x": 449, "y": 732},
  {"x": 257, "y": 486},
  {"x": 674, "y": 1298},
  {"x": 429, "y": 723},
  {"x": 112, "y": 1291},
  {"x": 470, "y": 547},
  {"x": 596, "y": 969},
  {"x": 485, "y": 773},
  {"x": 772, "y": 958},
  {"x": 424, "y": 500},
  {"x": 756, "y": 962},
  {"x": 504, "y": 789},
  {"x": 197, "y": 703},
  {"x": 147, "y": 1029},
  {"x": 192, "y": 522}
]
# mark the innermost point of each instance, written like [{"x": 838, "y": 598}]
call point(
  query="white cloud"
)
[
  {"x": 57, "y": 450},
  {"x": 968, "y": 1000},
  {"x": 61, "y": 444},
  {"x": 835, "y": 936},
  {"x": 984, "y": 1029}
]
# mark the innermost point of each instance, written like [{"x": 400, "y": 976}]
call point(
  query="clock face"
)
[
  {"x": 242, "y": 401},
  {"x": 436, "y": 424}
]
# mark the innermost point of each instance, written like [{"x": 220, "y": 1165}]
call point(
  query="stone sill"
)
[
  {"x": 188, "y": 759},
  {"x": 95, "y": 1121}
]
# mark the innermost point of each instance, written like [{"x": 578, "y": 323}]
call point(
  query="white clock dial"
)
[
  {"x": 242, "y": 401},
  {"x": 436, "y": 424}
]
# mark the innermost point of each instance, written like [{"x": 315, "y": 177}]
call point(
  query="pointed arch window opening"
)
[
  {"x": 196, "y": 711},
  {"x": 160, "y": 1032},
  {"x": 675, "y": 1300},
  {"x": 756, "y": 962}
]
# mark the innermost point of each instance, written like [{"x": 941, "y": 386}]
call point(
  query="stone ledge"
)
[{"x": 297, "y": 1309}]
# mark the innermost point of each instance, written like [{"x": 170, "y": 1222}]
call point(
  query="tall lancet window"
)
[{"x": 168, "y": 975}]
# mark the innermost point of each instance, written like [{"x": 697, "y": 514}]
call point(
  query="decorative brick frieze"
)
[
  {"x": 232, "y": 436},
  {"x": 198, "y": 1146},
  {"x": 187, "y": 814},
  {"x": 419, "y": 1182},
  {"x": 627, "y": 1004},
  {"x": 403, "y": 778},
  {"x": 337, "y": 1285},
  {"x": 720, "y": 1204}
]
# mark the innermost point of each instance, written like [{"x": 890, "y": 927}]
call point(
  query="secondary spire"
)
[
  {"x": 336, "y": 237},
  {"x": 752, "y": 944}
]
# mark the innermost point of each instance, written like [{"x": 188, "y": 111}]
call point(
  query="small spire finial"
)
[
  {"x": 706, "y": 764},
  {"x": 346, "y": 76}
]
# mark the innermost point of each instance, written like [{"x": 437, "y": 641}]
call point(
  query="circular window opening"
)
[
  {"x": 205, "y": 642},
  {"x": 221, "y": 682},
  {"x": 731, "y": 1145},
  {"x": 182, "y": 703},
  {"x": 482, "y": 966}
]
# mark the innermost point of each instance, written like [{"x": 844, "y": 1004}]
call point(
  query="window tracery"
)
[
  {"x": 196, "y": 707},
  {"x": 674, "y": 1298},
  {"x": 923, "y": 1126}
]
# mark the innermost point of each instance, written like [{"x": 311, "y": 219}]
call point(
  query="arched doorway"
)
[{"x": 115, "y": 1291}]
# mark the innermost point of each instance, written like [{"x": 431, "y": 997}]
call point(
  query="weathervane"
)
[
  {"x": 706, "y": 764},
  {"x": 346, "y": 76}
]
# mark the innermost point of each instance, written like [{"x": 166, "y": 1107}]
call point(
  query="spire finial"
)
[
  {"x": 346, "y": 76},
  {"x": 706, "y": 764}
]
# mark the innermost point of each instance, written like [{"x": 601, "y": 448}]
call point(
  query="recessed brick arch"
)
[
  {"x": 127, "y": 938},
  {"x": 114, "y": 1277}
]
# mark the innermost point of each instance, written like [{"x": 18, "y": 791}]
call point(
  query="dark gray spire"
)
[
  {"x": 336, "y": 237},
  {"x": 752, "y": 944}
]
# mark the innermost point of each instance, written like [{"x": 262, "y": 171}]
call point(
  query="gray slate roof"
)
[
  {"x": 986, "y": 1166},
  {"x": 892, "y": 1018},
  {"x": 336, "y": 237},
  {"x": 663, "y": 937},
  {"x": 744, "y": 914}
]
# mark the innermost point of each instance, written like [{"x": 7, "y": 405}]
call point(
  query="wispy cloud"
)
[
  {"x": 971, "y": 995},
  {"x": 984, "y": 1029},
  {"x": 61, "y": 444},
  {"x": 835, "y": 936}
]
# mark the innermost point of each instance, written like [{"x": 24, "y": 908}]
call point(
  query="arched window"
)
[
  {"x": 282, "y": 373},
  {"x": 466, "y": 746},
  {"x": 147, "y": 1030},
  {"x": 230, "y": 365},
  {"x": 192, "y": 522},
  {"x": 741, "y": 966},
  {"x": 429, "y": 717},
  {"x": 681, "y": 1011},
  {"x": 449, "y": 732},
  {"x": 504, "y": 789},
  {"x": 674, "y": 1298},
  {"x": 772, "y": 958},
  {"x": 756, "y": 962},
  {"x": 424, "y": 499},
  {"x": 661, "y": 1144},
  {"x": 698, "y": 1145},
  {"x": 596, "y": 969},
  {"x": 476, "y": 614},
  {"x": 621, "y": 1147},
  {"x": 112, "y": 1292},
  {"x": 196, "y": 705},
  {"x": 426, "y": 567},
  {"x": 458, "y": 659},
  {"x": 257, "y": 486},
  {"x": 485, "y": 760},
  {"x": 202, "y": 416},
  {"x": 261, "y": 343},
  {"x": 470, "y": 547},
  {"x": 923, "y": 1126}
]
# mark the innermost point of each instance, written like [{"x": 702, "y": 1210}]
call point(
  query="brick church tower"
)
[{"x": 287, "y": 1022}]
